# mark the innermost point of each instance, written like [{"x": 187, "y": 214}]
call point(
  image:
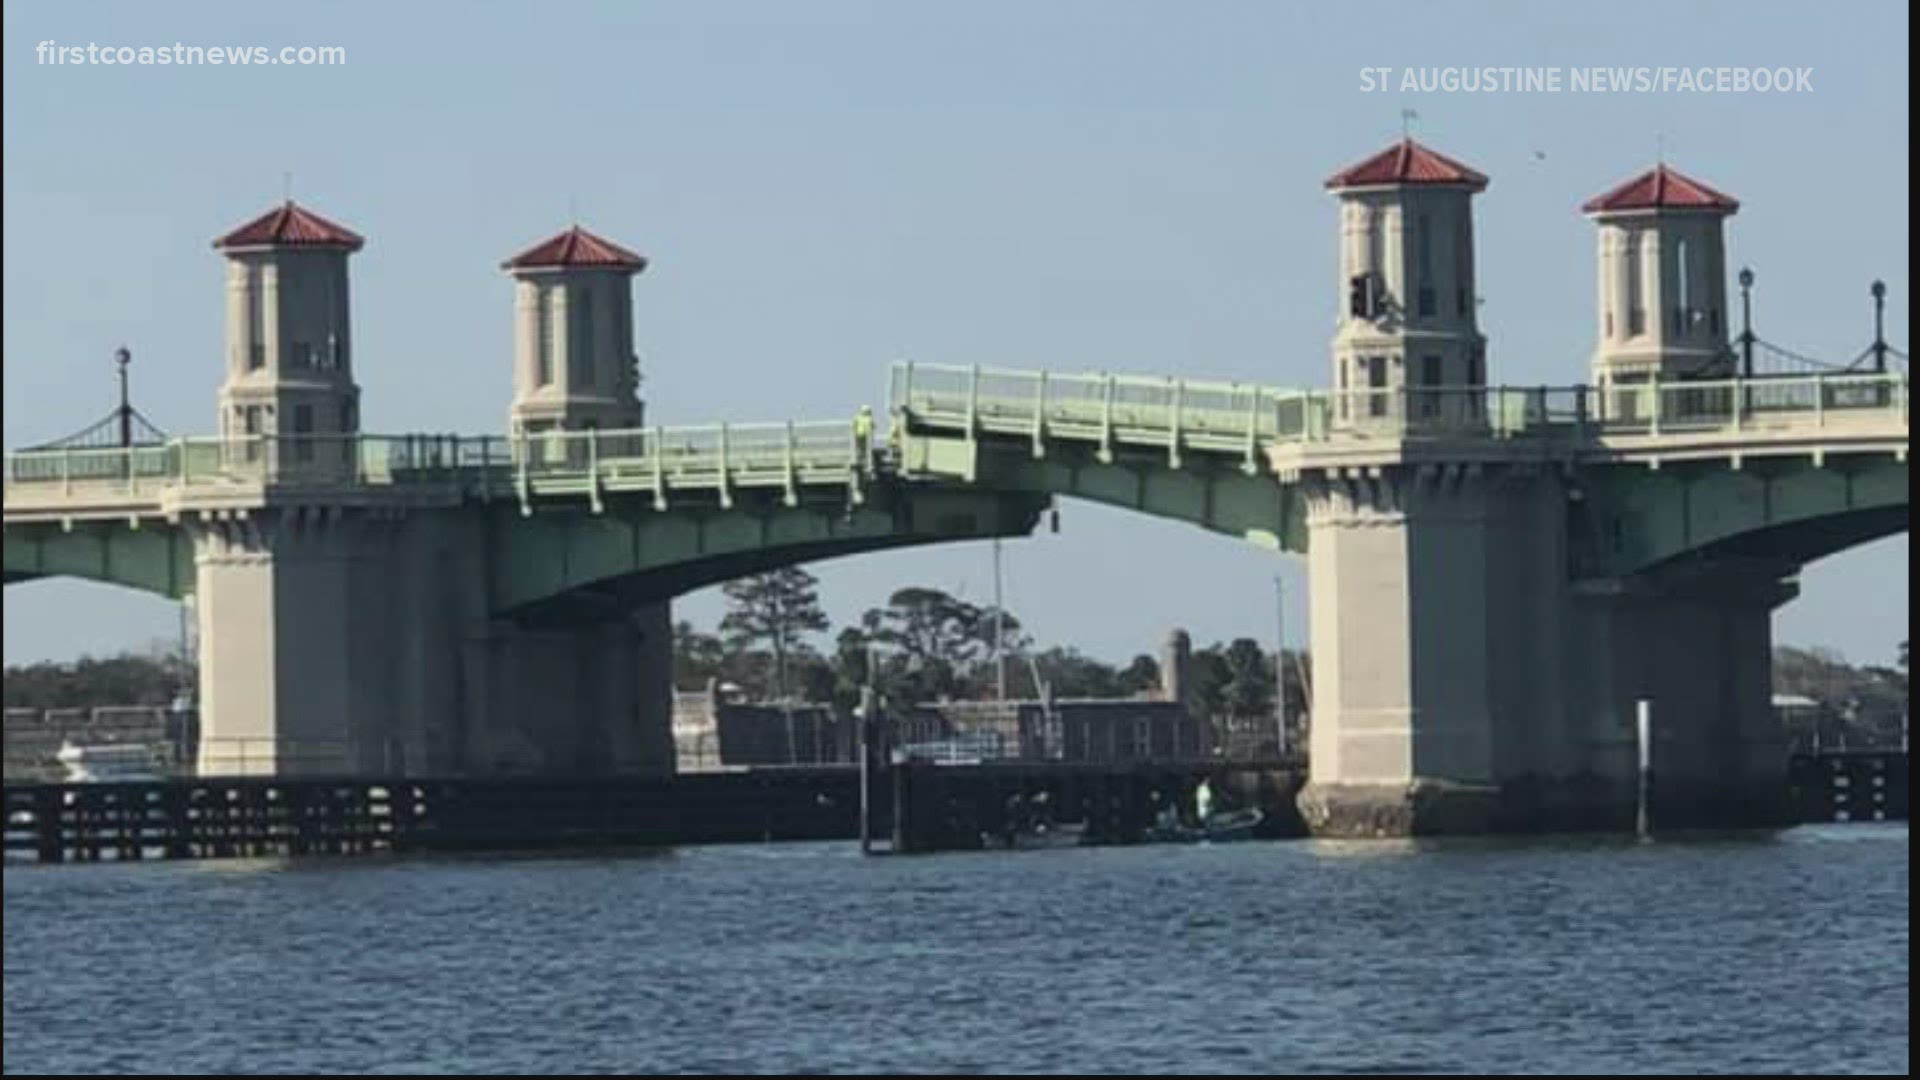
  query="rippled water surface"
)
[{"x": 1763, "y": 953}]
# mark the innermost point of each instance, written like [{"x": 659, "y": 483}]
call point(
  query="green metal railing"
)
[
  {"x": 1235, "y": 417},
  {"x": 659, "y": 460},
  {"x": 1173, "y": 415}
]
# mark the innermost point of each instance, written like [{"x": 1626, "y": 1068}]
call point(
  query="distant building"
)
[
  {"x": 1157, "y": 725},
  {"x": 716, "y": 729},
  {"x": 1071, "y": 729}
]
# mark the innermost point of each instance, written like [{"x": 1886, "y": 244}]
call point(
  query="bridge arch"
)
[
  {"x": 562, "y": 562},
  {"x": 1791, "y": 510}
]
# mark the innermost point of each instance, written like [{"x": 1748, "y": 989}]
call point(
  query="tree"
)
[
  {"x": 1073, "y": 674},
  {"x": 1140, "y": 676},
  {"x": 779, "y": 608},
  {"x": 935, "y": 641},
  {"x": 1863, "y": 706},
  {"x": 1250, "y": 679},
  {"x": 697, "y": 657}
]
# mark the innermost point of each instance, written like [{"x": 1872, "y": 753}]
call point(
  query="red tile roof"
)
[
  {"x": 576, "y": 247},
  {"x": 1661, "y": 188},
  {"x": 288, "y": 225},
  {"x": 1407, "y": 162}
]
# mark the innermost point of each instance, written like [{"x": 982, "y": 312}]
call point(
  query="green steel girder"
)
[
  {"x": 1633, "y": 519},
  {"x": 1214, "y": 491},
  {"x": 151, "y": 556},
  {"x": 568, "y": 557}
]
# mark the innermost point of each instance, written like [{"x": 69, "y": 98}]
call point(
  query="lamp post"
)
[
  {"x": 121, "y": 358},
  {"x": 1746, "y": 322},
  {"x": 1879, "y": 291}
]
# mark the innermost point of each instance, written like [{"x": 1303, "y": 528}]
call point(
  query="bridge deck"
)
[
  {"x": 198, "y": 472},
  {"x": 1173, "y": 416},
  {"x": 1773, "y": 415}
]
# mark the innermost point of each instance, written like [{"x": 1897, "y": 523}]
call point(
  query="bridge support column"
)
[
  {"x": 297, "y": 643},
  {"x": 1462, "y": 683},
  {"x": 344, "y": 642},
  {"x": 588, "y": 699},
  {"x": 1698, "y": 644},
  {"x": 1438, "y": 593},
  {"x": 1417, "y": 602}
]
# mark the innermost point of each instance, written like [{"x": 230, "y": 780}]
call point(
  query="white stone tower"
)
[
  {"x": 289, "y": 360},
  {"x": 1408, "y": 324},
  {"x": 1663, "y": 279},
  {"x": 574, "y": 365}
]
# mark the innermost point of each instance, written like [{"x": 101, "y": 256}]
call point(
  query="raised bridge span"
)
[{"x": 1497, "y": 573}]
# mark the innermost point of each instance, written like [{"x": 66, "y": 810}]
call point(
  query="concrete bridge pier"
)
[
  {"x": 589, "y": 699},
  {"x": 1697, "y": 642},
  {"x": 1463, "y": 683},
  {"x": 359, "y": 642}
]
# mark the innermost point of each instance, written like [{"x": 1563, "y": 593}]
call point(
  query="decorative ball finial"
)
[
  {"x": 1879, "y": 290},
  {"x": 122, "y": 356},
  {"x": 1746, "y": 277}
]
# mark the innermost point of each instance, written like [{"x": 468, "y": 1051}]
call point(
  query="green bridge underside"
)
[
  {"x": 565, "y": 554},
  {"x": 155, "y": 557},
  {"x": 567, "y": 558}
]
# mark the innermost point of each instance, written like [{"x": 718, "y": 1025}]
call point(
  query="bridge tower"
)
[
  {"x": 1663, "y": 280},
  {"x": 289, "y": 365},
  {"x": 574, "y": 365},
  {"x": 1408, "y": 329}
]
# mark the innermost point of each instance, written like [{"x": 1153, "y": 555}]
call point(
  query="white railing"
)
[
  {"x": 658, "y": 459},
  {"x": 1236, "y": 417}
]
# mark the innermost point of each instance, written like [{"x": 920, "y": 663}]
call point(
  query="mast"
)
[
  {"x": 999, "y": 628},
  {"x": 1280, "y": 667}
]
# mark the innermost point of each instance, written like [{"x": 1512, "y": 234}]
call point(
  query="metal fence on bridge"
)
[{"x": 1173, "y": 413}]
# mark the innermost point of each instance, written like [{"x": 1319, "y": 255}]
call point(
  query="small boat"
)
[
  {"x": 1048, "y": 834},
  {"x": 1031, "y": 825},
  {"x": 108, "y": 763},
  {"x": 1224, "y": 827},
  {"x": 1231, "y": 825}
]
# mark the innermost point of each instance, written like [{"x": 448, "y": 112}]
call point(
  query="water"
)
[{"x": 1760, "y": 953}]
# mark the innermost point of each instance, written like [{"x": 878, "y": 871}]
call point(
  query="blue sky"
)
[{"x": 824, "y": 188}]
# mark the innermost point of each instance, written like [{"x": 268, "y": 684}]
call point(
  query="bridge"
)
[
  {"x": 1529, "y": 530},
  {"x": 1498, "y": 574}
]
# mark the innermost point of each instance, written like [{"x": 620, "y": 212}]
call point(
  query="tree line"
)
[
  {"x": 153, "y": 677},
  {"x": 1864, "y": 706},
  {"x": 926, "y": 645}
]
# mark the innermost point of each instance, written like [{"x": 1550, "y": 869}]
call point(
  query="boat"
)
[
  {"x": 108, "y": 763},
  {"x": 1224, "y": 827},
  {"x": 1231, "y": 825},
  {"x": 1048, "y": 834},
  {"x": 1031, "y": 825}
]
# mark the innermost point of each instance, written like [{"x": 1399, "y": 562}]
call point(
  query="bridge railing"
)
[
  {"x": 1174, "y": 413},
  {"x": 1123, "y": 408},
  {"x": 658, "y": 458}
]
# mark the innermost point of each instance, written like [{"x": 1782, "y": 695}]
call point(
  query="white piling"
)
[{"x": 1644, "y": 725}]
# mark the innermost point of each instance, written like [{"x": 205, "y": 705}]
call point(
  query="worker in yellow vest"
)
[{"x": 863, "y": 432}]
